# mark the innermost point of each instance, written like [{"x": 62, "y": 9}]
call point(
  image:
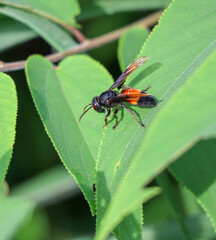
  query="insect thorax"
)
[{"x": 105, "y": 97}]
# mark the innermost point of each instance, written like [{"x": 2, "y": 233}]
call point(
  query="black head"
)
[{"x": 95, "y": 104}]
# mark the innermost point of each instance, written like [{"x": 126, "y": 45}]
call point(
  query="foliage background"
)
[{"x": 36, "y": 172}]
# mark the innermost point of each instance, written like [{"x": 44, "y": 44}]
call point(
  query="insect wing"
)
[{"x": 132, "y": 67}]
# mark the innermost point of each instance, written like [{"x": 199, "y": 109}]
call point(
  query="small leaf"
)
[
  {"x": 8, "y": 110},
  {"x": 52, "y": 33},
  {"x": 64, "y": 10},
  {"x": 13, "y": 213},
  {"x": 13, "y": 33},
  {"x": 130, "y": 45}
]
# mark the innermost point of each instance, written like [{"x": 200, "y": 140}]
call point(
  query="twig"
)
[
  {"x": 88, "y": 44},
  {"x": 76, "y": 33}
]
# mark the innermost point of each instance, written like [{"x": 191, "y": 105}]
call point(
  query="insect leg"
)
[
  {"x": 108, "y": 113},
  {"x": 128, "y": 87},
  {"x": 125, "y": 87},
  {"x": 147, "y": 88},
  {"x": 116, "y": 111},
  {"x": 132, "y": 114}
]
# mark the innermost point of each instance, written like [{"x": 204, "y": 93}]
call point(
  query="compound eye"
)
[{"x": 95, "y": 108}]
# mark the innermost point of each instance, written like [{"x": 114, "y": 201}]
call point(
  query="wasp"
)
[{"x": 113, "y": 99}]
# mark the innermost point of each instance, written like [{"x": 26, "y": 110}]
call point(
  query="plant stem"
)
[{"x": 88, "y": 43}]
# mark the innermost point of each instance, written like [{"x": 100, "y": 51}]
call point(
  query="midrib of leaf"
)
[
  {"x": 209, "y": 131},
  {"x": 179, "y": 81},
  {"x": 68, "y": 104}
]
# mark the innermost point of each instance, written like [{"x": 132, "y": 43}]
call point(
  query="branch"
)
[{"x": 88, "y": 44}]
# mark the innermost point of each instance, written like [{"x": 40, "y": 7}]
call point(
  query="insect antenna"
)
[
  {"x": 85, "y": 111},
  {"x": 86, "y": 107}
]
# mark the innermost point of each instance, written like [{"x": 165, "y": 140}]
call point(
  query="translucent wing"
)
[{"x": 133, "y": 66}]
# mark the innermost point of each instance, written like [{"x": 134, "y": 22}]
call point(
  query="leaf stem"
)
[{"x": 88, "y": 43}]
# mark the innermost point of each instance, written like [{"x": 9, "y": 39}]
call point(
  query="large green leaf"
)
[
  {"x": 95, "y": 8},
  {"x": 188, "y": 36},
  {"x": 13, "y": 33},
  {"x": 64, "y": 10},
  {"x": 13, "y": 214},
  {"x": 60, "y": 97},
  {"x": 52, "y": 33},
  {"x": 8, "y": 109},
  {"x": 184, "y": 103}
]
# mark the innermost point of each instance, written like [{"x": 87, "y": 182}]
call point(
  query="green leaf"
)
[
  {"x": 13, "y": 214},
  {"x": 96, "y": 8},
  {"x": 198, "y": 226},
  {"x": 52, "y": 33},
  {"x": 60, "y": 97},
  {"x": 48, "y": 187},
  {"x": 184, "y": 103},
  {"x": 13, "y": 33},
  {"x": 63, "y": 11},
  {"x": 8, "y": 109},
  {"x": 174, "y": 202},
  {"x": 133, "y": 224},
  {"x": 129, "y": 46},
  {"x": 196, "y": 170},
  {"x": 188, "y": 36},
  {"x": 82, "y": 79}
]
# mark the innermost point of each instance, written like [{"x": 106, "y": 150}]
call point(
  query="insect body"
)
[{"x": 112, "y": 99}]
